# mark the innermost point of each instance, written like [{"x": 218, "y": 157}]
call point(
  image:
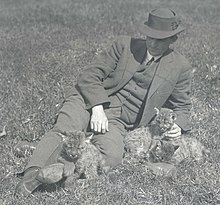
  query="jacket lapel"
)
[
  {"x": 136, "y": 56},
  {"x": 162, "y": 73}
]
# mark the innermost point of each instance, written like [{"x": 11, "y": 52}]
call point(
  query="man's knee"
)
[{"x": 112, "y": 150}]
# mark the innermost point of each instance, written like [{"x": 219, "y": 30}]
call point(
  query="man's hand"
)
[
  {"x": 174, "y": 133},
  {"x": 99, "y": 121}
]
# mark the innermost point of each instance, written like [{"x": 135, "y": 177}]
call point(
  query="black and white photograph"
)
[{"x": 109, "y": 102}]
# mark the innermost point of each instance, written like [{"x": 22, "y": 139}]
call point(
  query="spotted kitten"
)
[
  {"x": 161, "y": 151},
  {"x": 141, "y": 140},
  {"x": 81, "y": 156},
  {"x": 151, "y": 143},
  {"x": 189, "y": 148},
  {"x": 138, "y": 142},
  {"x": 176, "y": 150},
  {"x": 162, "y": 123}
]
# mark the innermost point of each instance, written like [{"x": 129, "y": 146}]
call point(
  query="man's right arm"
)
[
  {"x": 90, "y": 81},
  {"x": 90, "y": 84}
]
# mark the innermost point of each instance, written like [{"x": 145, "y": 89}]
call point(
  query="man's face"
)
[{"x": 157, "y": 47}]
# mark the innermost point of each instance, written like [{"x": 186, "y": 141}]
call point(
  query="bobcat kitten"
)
[
  {"x": 141, "y": 140},
  {"x": 82, "y": 156},
  {"x": 138, "y": 141},
  {"x": 176, "y": 150},
  {"x": 151, "y": 142},
  {"x": 189, "y": 148},
  {"x": 161, "y": 151},
  {"x": 163, "y": 122}
]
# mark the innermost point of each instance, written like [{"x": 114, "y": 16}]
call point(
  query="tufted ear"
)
[
  {"x": 157, "y": 111},
  {"x": 176, "y": 147},
  {"x": 89, "y": 135},
  {"x": 88, "y": 139}
]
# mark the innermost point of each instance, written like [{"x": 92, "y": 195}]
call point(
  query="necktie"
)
[
  {"x": 145, "y": 65},
  {"x": 150, "y": 61}
]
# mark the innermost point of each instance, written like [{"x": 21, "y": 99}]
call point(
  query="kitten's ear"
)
[
  {"x": 176, "y": 147},
  {"x": 157, "y": 111},
  {"x": 159, "y": 143},
  {"x": 89, "y": 134}
]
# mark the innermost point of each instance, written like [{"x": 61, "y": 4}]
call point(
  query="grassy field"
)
[{"x": 43, "y": 46}]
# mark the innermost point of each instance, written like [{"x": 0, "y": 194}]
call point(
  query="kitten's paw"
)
[
  {"x": 69, "y": 169},
  {"x": 128, "y": 148}
]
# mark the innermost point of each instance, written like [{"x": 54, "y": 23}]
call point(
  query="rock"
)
[{"x": 162, "y": 169}]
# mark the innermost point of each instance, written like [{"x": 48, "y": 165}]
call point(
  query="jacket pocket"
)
[{"x": 113, "y": 113}]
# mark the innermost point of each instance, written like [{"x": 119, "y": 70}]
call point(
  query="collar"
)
[{"x": 149, "y": 57}]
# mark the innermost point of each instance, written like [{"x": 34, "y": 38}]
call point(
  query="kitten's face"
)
[
  {"x": 139, "y": 146},
  {"x": 161, "y": 151},
  {"x": 165, "y": 119},
  {"x": 74, "y": 145}
]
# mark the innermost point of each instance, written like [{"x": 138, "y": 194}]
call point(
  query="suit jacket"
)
[{"x": 114, "y": 67}]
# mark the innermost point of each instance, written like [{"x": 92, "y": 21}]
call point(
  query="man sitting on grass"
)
[{"x": 118, "y": 92}]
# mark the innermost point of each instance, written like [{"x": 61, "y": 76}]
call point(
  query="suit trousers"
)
[{"x": 74, "y": 116}]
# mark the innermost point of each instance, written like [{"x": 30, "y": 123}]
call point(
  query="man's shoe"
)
[
  {"x": 29, "y": 183},
  {"x": 51, "y": 174}
]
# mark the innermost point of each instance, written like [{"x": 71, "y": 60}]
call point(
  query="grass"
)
[{"x": 44, "y": 44}]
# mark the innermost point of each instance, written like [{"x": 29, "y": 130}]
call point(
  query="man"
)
[{"x": 119, "y": 92}]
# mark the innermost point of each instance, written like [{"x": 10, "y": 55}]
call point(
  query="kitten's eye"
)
[
  {"x": 166, "y": 121},
  {"x": 173, "y": 116},
  {"x": 80, "y": 148},
  {"x": 158, "y": 147}
]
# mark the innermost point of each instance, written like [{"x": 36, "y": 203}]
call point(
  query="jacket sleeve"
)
[
  {"x": 90, "y": 81},
  {"x": 180, "y": 100}
]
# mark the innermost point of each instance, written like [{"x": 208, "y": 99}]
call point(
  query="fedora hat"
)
[{"x": 162, "y": 23}]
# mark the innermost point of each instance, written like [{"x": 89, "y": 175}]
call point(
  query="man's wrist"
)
[{"x": 97, "y": 108}]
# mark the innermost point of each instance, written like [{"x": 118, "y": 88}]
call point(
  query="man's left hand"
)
[{"x": 174, "y": 132}]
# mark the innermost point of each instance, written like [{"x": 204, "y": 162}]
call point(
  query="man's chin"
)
[{"x": 154, "y": 53}]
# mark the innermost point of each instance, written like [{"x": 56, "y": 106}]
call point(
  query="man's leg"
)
[
  {"x": 72, "y": 116},
  {"x": 111, "y": 144}
]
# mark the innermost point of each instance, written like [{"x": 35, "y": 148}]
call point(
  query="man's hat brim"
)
[{"x": 153, "y": 33}]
